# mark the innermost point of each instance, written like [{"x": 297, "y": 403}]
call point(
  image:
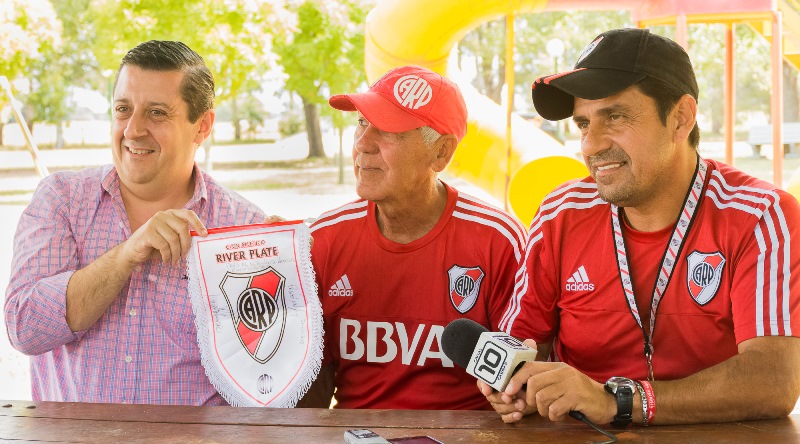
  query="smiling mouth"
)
[
  {"x": 138, "y": 151},
  {"x": 609, "y": 166}
]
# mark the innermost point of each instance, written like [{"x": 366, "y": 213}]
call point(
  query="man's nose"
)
[
  {"x": 595, "y": 139},
  {"x": 135, "y": 127},
  {"x": 365, "y": 139}
]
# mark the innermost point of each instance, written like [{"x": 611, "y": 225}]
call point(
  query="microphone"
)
[{"x": 492, "y": 357}]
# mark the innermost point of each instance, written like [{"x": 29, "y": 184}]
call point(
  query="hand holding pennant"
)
[{"x": 258, "y": 317}]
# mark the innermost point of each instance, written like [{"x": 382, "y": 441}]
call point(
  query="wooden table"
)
[{"x": 119, "y": 423}]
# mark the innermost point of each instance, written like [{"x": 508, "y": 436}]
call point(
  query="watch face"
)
[{"x": 616, "y": 382}]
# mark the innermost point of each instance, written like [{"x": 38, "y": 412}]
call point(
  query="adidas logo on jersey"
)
[
  {"x": 341, "y": 287},
  {"x": 579, "y": 281}
]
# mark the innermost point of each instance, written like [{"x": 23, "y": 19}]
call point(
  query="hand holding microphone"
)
[
  {"x": 553, "y": 388},
  {"x": 492, "y": 357}
]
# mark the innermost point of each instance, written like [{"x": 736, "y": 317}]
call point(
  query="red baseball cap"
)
[{"x": 410, "y": 97}]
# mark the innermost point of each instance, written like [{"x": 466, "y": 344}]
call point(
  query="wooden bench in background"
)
[{"x": 762, "y": 135}]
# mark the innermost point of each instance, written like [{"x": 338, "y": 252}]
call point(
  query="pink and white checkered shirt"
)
[{"x": 144, "y": 348}]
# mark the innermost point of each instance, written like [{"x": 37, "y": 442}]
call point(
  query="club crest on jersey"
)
[
  {"x": 704, "y": 275},
  {"x": 465, "y": 284},
  {"x": 258, "y": 310}
]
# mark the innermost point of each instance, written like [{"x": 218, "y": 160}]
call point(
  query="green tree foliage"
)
[
  {"x": 70, "y": 64},
  {"x": 25, "y": 25},
  {"x": 29, "y": 30},
  {"x": 753, "y": 83},
  {"x": 752, "y": 72},
  {"x": 323, "y": 56}
]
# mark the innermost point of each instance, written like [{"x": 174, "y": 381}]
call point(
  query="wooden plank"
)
[
  {"x": 78, "y": 422},
  {"x": 250, "y": 415},
  {"x": 67, "y": 430}
]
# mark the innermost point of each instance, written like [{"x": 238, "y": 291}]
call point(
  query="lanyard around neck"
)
[{"x": 671, "y": 253}]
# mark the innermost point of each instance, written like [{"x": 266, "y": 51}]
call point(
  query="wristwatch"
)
[{"x": 622, "y": 389}]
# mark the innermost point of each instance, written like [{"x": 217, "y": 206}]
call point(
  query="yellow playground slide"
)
[{"x": 423, "y": 32}]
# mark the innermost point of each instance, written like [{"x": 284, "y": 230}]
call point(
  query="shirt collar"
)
[{"x": 199, "y": 197}]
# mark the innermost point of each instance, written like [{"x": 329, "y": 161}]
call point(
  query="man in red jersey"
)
[
  {"x": 664, "y": 287},
  {"x": 396, "y": 266}
]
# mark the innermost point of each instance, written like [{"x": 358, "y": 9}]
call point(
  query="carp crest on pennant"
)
[
  {"x": 465, "y": 284},
  {"x": 258, "y": 310},
  {"x": 704, "y": 275}
]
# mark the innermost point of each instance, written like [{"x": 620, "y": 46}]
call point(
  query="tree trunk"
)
[
  {"x": 717, "y": 119},
  {"x": 59, "y": 135},
  {"x": 27, "y": 114},
  {"x": 492, "y": 75},
  {"x": 313, "y": 131},
  {"x": 341, "y": 156},
  {"x": 791, "y": 101},
  {"x": 237, "y": 127}
]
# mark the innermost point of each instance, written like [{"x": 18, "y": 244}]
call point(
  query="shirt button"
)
[
  {"x": 133, "y": 312},
  {"x": 128, "y": 359}
]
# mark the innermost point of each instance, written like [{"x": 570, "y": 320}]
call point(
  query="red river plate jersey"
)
[
  {"x": 386, "y": 304},
  {"x": 736, "y": 277}
]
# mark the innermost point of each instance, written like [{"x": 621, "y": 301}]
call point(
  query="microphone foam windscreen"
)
[{"x": 459, "y": 339}]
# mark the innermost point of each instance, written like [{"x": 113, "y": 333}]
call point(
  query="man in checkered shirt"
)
[{"x": 98, "y": 296}]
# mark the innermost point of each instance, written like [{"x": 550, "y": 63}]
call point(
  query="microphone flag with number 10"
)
[{"x": 492, "y": 357}]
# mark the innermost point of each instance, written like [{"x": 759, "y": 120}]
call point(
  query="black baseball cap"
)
[{"x": 614, "y": 60}]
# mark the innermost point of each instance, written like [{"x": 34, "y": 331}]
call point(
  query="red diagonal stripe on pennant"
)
[
  {"x": 268, "y": 282},
  {"x": 249, "y": 337}
]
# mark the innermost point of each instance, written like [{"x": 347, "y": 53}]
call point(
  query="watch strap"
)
[{"x": 624, "y": 414}]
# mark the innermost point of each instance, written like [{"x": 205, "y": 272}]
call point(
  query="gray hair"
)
[{"x": 429, "y": 135}]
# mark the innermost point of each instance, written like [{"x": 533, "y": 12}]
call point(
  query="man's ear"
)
[
  {"x": 445, "y": 148},
  {"x": 204, "y": 130},
  {"x": 685, "y": 113}
]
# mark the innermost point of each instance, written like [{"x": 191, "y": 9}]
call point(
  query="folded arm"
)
[{"x": 762, "y": 381}]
